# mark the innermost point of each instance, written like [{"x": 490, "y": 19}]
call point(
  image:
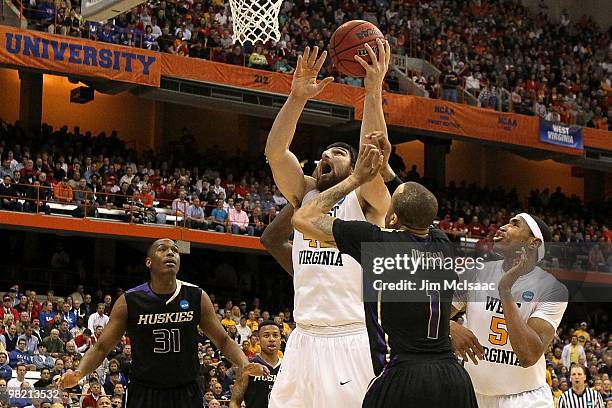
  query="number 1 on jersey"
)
[{"x": 434, "y": 314}]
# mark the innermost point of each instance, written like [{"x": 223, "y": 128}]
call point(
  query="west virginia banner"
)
[
  {"x": 71, "y": 55},
  {"x": 561, "y": 135}
]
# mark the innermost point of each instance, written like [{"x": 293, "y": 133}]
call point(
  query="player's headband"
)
[{"x": 535, "y": 229}]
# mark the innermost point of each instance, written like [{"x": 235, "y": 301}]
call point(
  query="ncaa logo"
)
[
  {"x": 184, "y": 304},
  {"x": 528, "y": 296}
]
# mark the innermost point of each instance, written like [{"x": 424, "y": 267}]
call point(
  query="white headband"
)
[{"x": 535, "y": 229}]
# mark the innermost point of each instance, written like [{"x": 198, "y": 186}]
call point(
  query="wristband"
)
[{"x": 394, "y": 184}]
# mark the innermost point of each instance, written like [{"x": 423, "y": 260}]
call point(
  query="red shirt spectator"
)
[
  {"x": 475, "y": 228},
  {"x": 7, "y": 308},
  {"x": 445, "y": 224}
]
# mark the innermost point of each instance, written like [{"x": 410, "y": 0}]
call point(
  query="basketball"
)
[{"x": 349, "y": 40}]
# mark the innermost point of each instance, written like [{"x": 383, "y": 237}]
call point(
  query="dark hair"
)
[
  {"x": 415, "y": 206},
  {"x": 269, "y": 323},
  {"x": 352, "y": 151},
  {"x": 87, "y": 332}
]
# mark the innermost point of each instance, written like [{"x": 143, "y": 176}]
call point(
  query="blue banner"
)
[{"x": 561, "y": 135}]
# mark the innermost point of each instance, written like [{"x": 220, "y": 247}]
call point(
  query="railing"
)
[{"x": 101, "y": 205}]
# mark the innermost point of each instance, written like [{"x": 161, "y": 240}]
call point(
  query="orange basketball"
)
[{"x": 349, "y": 40}]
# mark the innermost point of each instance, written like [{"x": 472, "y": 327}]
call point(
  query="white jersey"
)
[
  {"x": 327, "y": 283},
  {"x": 538, "y": 294}
]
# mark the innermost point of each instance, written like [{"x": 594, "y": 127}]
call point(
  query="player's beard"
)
[{"x": 328, "y": 181}]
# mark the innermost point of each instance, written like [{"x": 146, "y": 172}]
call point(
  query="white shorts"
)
[
  {"x": 328, "y": 367},
  {"x": 539, "y": 398}
]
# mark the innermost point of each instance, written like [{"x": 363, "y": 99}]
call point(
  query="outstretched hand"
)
[
  {"x": 255, "y": 370},
  {"x": 377, "y": 69},
  {"x": 69, "y": 379},
  {"x": 305, "y": 85},
  {"x": 368, "y": 163}
]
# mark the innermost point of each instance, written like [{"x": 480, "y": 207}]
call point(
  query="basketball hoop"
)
[{"x": 255, "y": 20}]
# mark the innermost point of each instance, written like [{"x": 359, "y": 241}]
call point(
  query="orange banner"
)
[
  {"x": 433, "y": 115},
  {"x": 436, "y": 115},
  {"x": 71, "y": 55}
]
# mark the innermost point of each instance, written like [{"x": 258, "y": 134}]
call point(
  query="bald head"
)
[{"x": 414, "y": 205}]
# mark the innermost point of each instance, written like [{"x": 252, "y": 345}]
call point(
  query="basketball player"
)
[
  {"x": 423, "y": 372},
  {"x": 162, "y": 319},
  {"x": 255, "y": 391},
  {"x": 510, "y": 329},
  {"x": 328, "y": 310}
]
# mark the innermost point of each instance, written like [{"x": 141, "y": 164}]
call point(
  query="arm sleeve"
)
[
  {"x": 552, "y": 306},
  {"x": 349, "y": 235}
]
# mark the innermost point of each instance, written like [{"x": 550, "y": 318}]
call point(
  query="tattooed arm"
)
[
  {"x": 312, "y": 219},
  {"x": 238, "y": 391}
]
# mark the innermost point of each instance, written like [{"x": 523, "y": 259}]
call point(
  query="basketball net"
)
[{"x": 255, "y": 20}]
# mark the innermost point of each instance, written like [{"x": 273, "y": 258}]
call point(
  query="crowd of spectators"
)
[
  {"x": 584, "y": 343},
  {"x": 43, "y": 336},
  {"x": 581, "y": 235},
  {"x": 91, "y": 174},
  {"x": 233, "y": 195},
  {"x": 560, "y": 71},
  {"x": 500, "y": 52}
]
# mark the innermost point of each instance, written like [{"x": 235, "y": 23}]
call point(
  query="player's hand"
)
[
  {"x": 368, "y": 163},
  {"x": 379, "y": 140},
  {"x": 376, "y": 71},
  {"x": 304, "y": 85},
  {"x": 69, "y": 379},
  {"x": 523, "y": 264},
  {"x": 255, "y": 370},
  {"x": 465, "y": 343}
]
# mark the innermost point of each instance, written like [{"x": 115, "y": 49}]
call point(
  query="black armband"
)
[{"x": 394, "y": 184}]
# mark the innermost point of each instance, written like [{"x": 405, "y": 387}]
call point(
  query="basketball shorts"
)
[
  {"x": 324, "y": 367},
  {"x": 423, "y": 380},
  {"x": 185, "y": 396},
  {"x": 538, "y": 398}
]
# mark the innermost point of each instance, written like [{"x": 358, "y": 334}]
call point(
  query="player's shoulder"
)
[
  {"x": 143, "y": 288},
  {"x": 190, "y": 287},
  {"x": 549, "y": 284}
]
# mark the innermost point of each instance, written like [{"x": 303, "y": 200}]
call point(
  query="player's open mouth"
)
[
  {"x": 499, "y": 235},
  {"x": 170, "y": 262},
  {"x": 326, "y": 169}
]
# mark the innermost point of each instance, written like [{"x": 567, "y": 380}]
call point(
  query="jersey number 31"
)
[{"x": 167, "y": 340}]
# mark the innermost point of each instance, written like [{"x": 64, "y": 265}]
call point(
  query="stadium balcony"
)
[{"x": 98, "y": 216}]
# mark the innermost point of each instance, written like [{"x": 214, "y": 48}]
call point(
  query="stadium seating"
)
[{"x": 496, "y": 55}]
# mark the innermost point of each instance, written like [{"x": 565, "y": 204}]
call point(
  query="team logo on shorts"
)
[
  {"x": 528, "y": 296},
  {"x": 184, "y": 304}
]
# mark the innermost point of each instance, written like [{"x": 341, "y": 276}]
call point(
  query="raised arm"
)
[
  {"x": 313, "y": 220},
  {"x": 286, "y": 169},
  {"x": 374, "y": 193},
  {"x": 529, "y": 339},
  {"x": 275, "y": 238},
  {"x": 111, "y": 335}
]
